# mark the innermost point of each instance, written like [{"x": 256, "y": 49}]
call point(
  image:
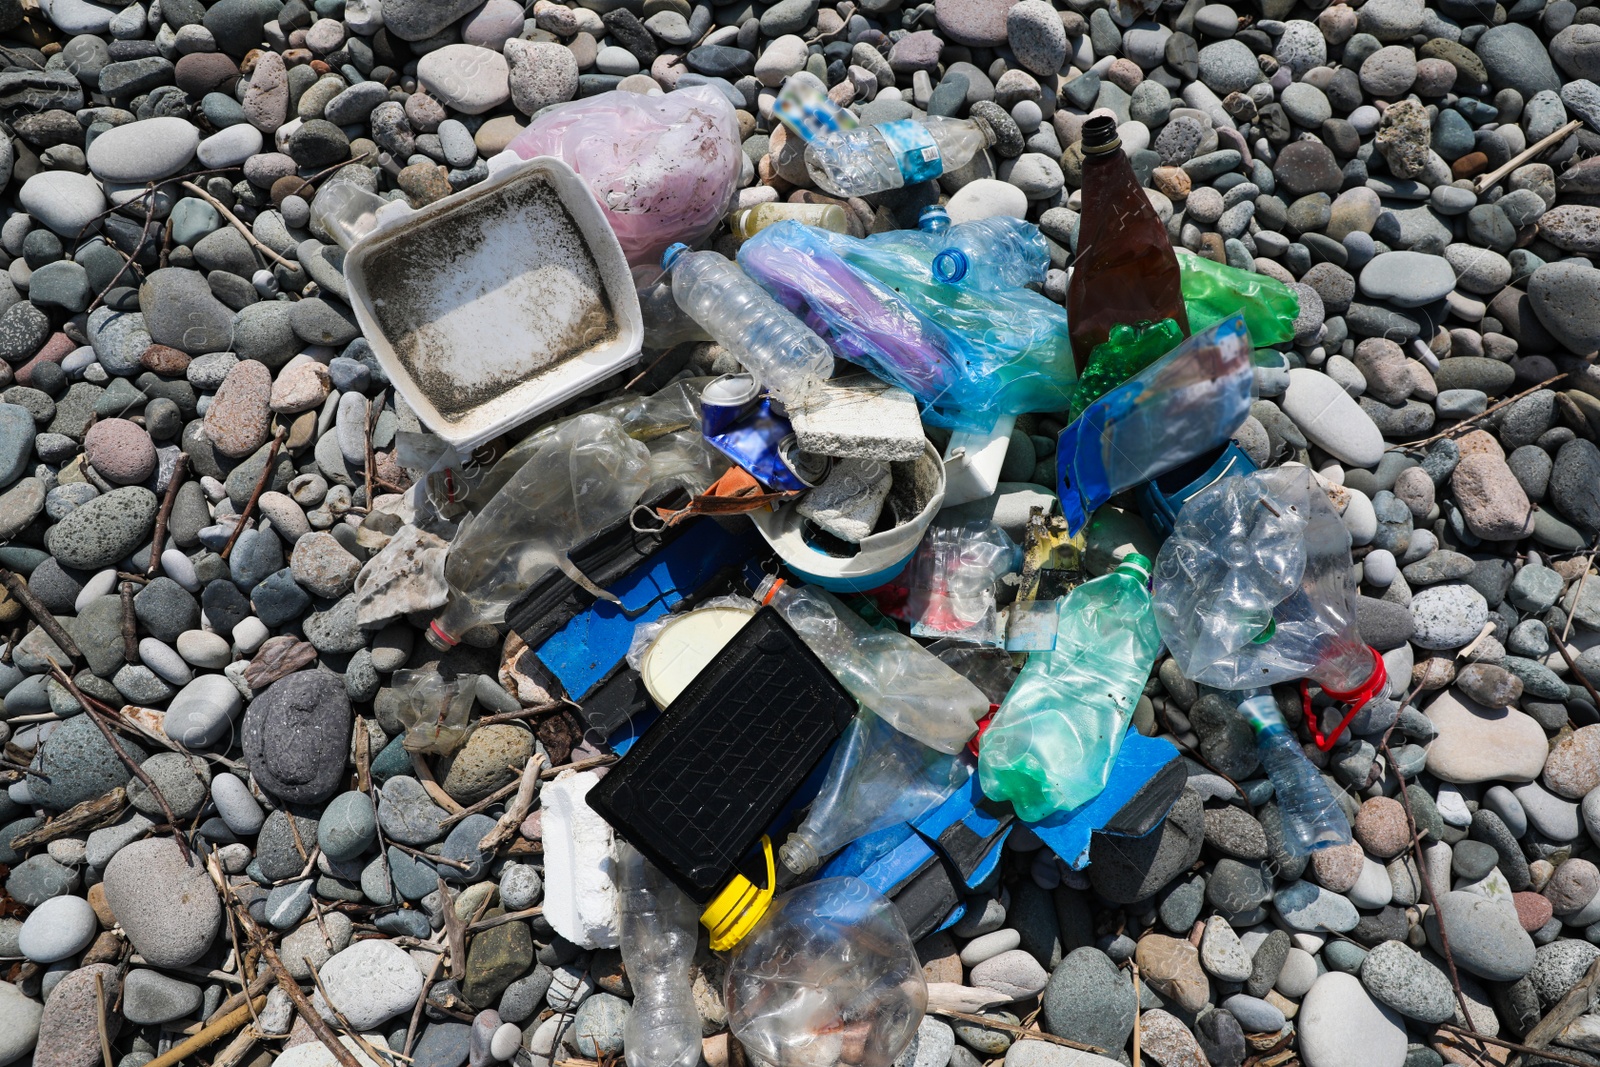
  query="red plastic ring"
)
[
  {"x": 1356, "y": 699},
  {"x": 983, "y": 726}
]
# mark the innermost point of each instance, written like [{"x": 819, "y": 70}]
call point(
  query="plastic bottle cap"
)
[
  {"x": 734, "y": 911},
  {"x": 685, "y": 645},
  {"x": 673, "y": 252},
  {"x": 934, "y": 219}
]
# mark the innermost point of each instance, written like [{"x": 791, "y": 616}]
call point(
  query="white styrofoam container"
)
[{"x": 483, "y": 293}]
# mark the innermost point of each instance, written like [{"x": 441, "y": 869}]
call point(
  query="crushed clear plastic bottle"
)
[
  {"x": 658, "y": 926},
  {"x": 779, "y": 349},
  {"x": 879, "y": 777},
  {"x": 1312, "y": 818},
  {"x": 827, "y": 978},
  {"x": 999, "y": 252},
  {"x": 579, "y": 478},
  {"x": 885, "y": 670},
  {"x": 875, "y": 159},
  {"x": 1052, "y": 744}
]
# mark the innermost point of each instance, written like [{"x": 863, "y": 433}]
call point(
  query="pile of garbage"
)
[{"x": 873, "y": 627}]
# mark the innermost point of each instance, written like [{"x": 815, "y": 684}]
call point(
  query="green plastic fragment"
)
[{"x": 1212, "y": 291}]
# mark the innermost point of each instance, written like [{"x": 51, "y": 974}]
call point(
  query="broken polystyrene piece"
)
[
  {"x": 859, "y": 417},
  {"x": 580, "y": 893},
  {"x": 849, "y": 502},
  {"x": 406, "y": 576}
]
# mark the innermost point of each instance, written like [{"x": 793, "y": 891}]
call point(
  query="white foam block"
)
[
  {"x": 859, "y": 416},
  {"x": 580, "y": 889}
]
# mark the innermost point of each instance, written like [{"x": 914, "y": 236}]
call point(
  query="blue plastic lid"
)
[{"x": 673, "y": 252}]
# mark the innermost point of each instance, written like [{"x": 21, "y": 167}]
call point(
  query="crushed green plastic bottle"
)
[
  {"x": 1129, "y": 350},
  {"x": 1054, "y": 740},
  {"x": 1212, "y": 291}
]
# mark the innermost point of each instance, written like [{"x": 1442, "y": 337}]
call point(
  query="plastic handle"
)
[{"x": 1355, "y": 699}]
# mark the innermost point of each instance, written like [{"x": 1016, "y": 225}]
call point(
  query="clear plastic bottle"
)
[
  {"x": 580, "y": 477},
  {"x": 776, "y": 347},
  {"x": 879, "y": 777},
  {"x": 874, "y": 159},
  {"x": 1312, "y": 818},
  {"x": 752, "y": 220},
  {"x": 885, "y": 670},
  {"x": 998, "y": 252},
  {"x": 1051, "y": 745},
  {"x": 659, "y": 926},
  {"x": 827, "y": 978}
]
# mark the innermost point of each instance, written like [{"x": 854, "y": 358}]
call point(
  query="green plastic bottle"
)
[{"x": 1052, "y": 743}]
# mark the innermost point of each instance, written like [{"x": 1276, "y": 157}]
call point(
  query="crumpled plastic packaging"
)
[
  {"x": 433, "y": 709},
  {"x": 1182, "y": 405},
  {"x": 1212, "y": 291},
  {"x": 664, "y": 168},
  {"x": 952, "y": 581},
  {"x": 970, "y": 354}
]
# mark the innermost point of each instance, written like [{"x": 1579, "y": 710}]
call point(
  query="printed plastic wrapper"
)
[
  {"x": 1179, "y": 407},
  {"x": 664, "y": 168},
  {"x": 1213, "y": 291},
  {"x": 434, "y": 709},
  {"x": 969, "y": 353},
  {"x": 1253, "y": 587}
]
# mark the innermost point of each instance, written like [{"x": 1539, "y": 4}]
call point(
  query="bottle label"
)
[{"x": 915, "y": 151}]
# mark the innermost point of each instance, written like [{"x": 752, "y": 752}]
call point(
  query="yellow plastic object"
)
[{"x": 734, "y": 912}]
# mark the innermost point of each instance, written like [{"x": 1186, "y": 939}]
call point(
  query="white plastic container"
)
[
  {"x": 915, "y": 497},
  {"x": 496, "y": 303}
]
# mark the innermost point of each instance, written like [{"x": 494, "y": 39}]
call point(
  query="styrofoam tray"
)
[{"x": 498, "y": 302}]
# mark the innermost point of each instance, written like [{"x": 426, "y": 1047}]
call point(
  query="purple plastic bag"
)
[{"x": 664, "y": 168}]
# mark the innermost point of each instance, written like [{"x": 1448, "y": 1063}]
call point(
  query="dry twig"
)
[
  {"x": 255, "y": 494},
  {"x": 1469, "y": 420},
  {"x": 47, "y": 622},
  {"x": 233, "y": 219},
  {"x": 163, "y": 516},
  {"x": 517, "y": 810}
]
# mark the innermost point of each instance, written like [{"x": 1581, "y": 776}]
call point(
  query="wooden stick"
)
[
  {"x": 1451, "y": 1028},
  {"x": 1470, "y": 419},
  {"x": 241, "y": 227},
  {"x": 483, "y": 805},
  {"x": 179, "y": 469},
  {"x": 100, "y": 1019},
  {"x": 213, "y": 1032},
  {"x": 47, "y": 622},
  {"x": 90, "y": 708},
  {"x": 1132, "y": 963},
  {"x": 501, "y": 920},
  {"x": 421, "y": 855},
  {"x": 1577, "y": 594},
  {"x": 434, "y": 790},
  {"x": 1014, "y": 1030},
  {"x": 344, "y": 1020},
  {"x": 1526, "y": 154},
  {"x": 1558, "y": 1018},
  {"x": 517, "y": 810},
  {"x": 87, "y": 815},
  {"x": 1427, "y": 885},
  {"x": 422, "y": 997},
  {"x": 255, "y": 494},
  {"x": 237, "y": 1049},
  {"x": 130, "y": 624},
  {"x": 1561, "y": 647}
]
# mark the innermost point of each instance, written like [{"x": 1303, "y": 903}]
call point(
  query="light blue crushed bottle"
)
[{"x": 1312, "y": 818}]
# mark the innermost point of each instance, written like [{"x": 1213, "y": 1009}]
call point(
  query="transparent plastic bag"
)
[
  {"x": 1182, "y": 405},
  {"x": 580, "y": 476},
  {"x": 1212, "y": 291},
  {"x": 879, "y": 777},
  {"x": 969, "y": 353},
  {"x": 664, "y": 168},
  {"x": 1253, "y": 587},
  {"x": 434, "y": 709},
  {"x": 951, "y": 581},
  {"x": 828, "y": 978}
]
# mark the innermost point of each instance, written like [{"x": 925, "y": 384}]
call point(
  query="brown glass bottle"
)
[{"x": 1124, "y": 271}]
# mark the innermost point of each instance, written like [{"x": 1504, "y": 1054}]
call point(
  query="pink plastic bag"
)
[{"x": 664, "y": 168}]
